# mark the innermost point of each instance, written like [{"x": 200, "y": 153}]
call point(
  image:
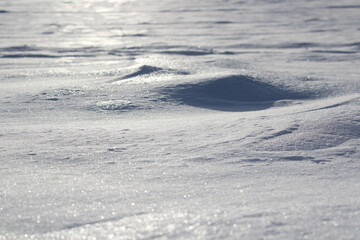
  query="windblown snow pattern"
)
[{"x": 164, "y": 119}]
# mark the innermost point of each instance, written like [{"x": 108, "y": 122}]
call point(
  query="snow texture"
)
[{"x": 208, "y": 119}]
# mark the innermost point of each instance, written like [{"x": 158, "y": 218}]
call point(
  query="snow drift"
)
[{"x": 233, "y": 93}]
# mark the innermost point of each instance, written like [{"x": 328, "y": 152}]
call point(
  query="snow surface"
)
[{"x": 164, "y": 119}]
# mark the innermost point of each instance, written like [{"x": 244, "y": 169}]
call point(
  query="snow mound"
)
[
  {"x": 146, "y": 71},
  {"x": 318, "y": 133},
  {"x": 233, "y": 93}
]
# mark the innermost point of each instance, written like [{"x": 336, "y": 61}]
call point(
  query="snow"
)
[{"x": 179, "y": 119}]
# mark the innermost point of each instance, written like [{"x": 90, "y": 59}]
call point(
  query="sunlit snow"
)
[{"x": 207, "y": 119}]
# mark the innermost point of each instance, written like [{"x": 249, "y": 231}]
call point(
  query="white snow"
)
[{"x": 208, "y": 119}]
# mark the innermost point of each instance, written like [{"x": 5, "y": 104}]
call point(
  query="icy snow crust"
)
[{"x": 168, "y": 119}]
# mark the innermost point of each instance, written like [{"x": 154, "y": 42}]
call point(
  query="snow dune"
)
[{"x": 236, "y": 93}]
